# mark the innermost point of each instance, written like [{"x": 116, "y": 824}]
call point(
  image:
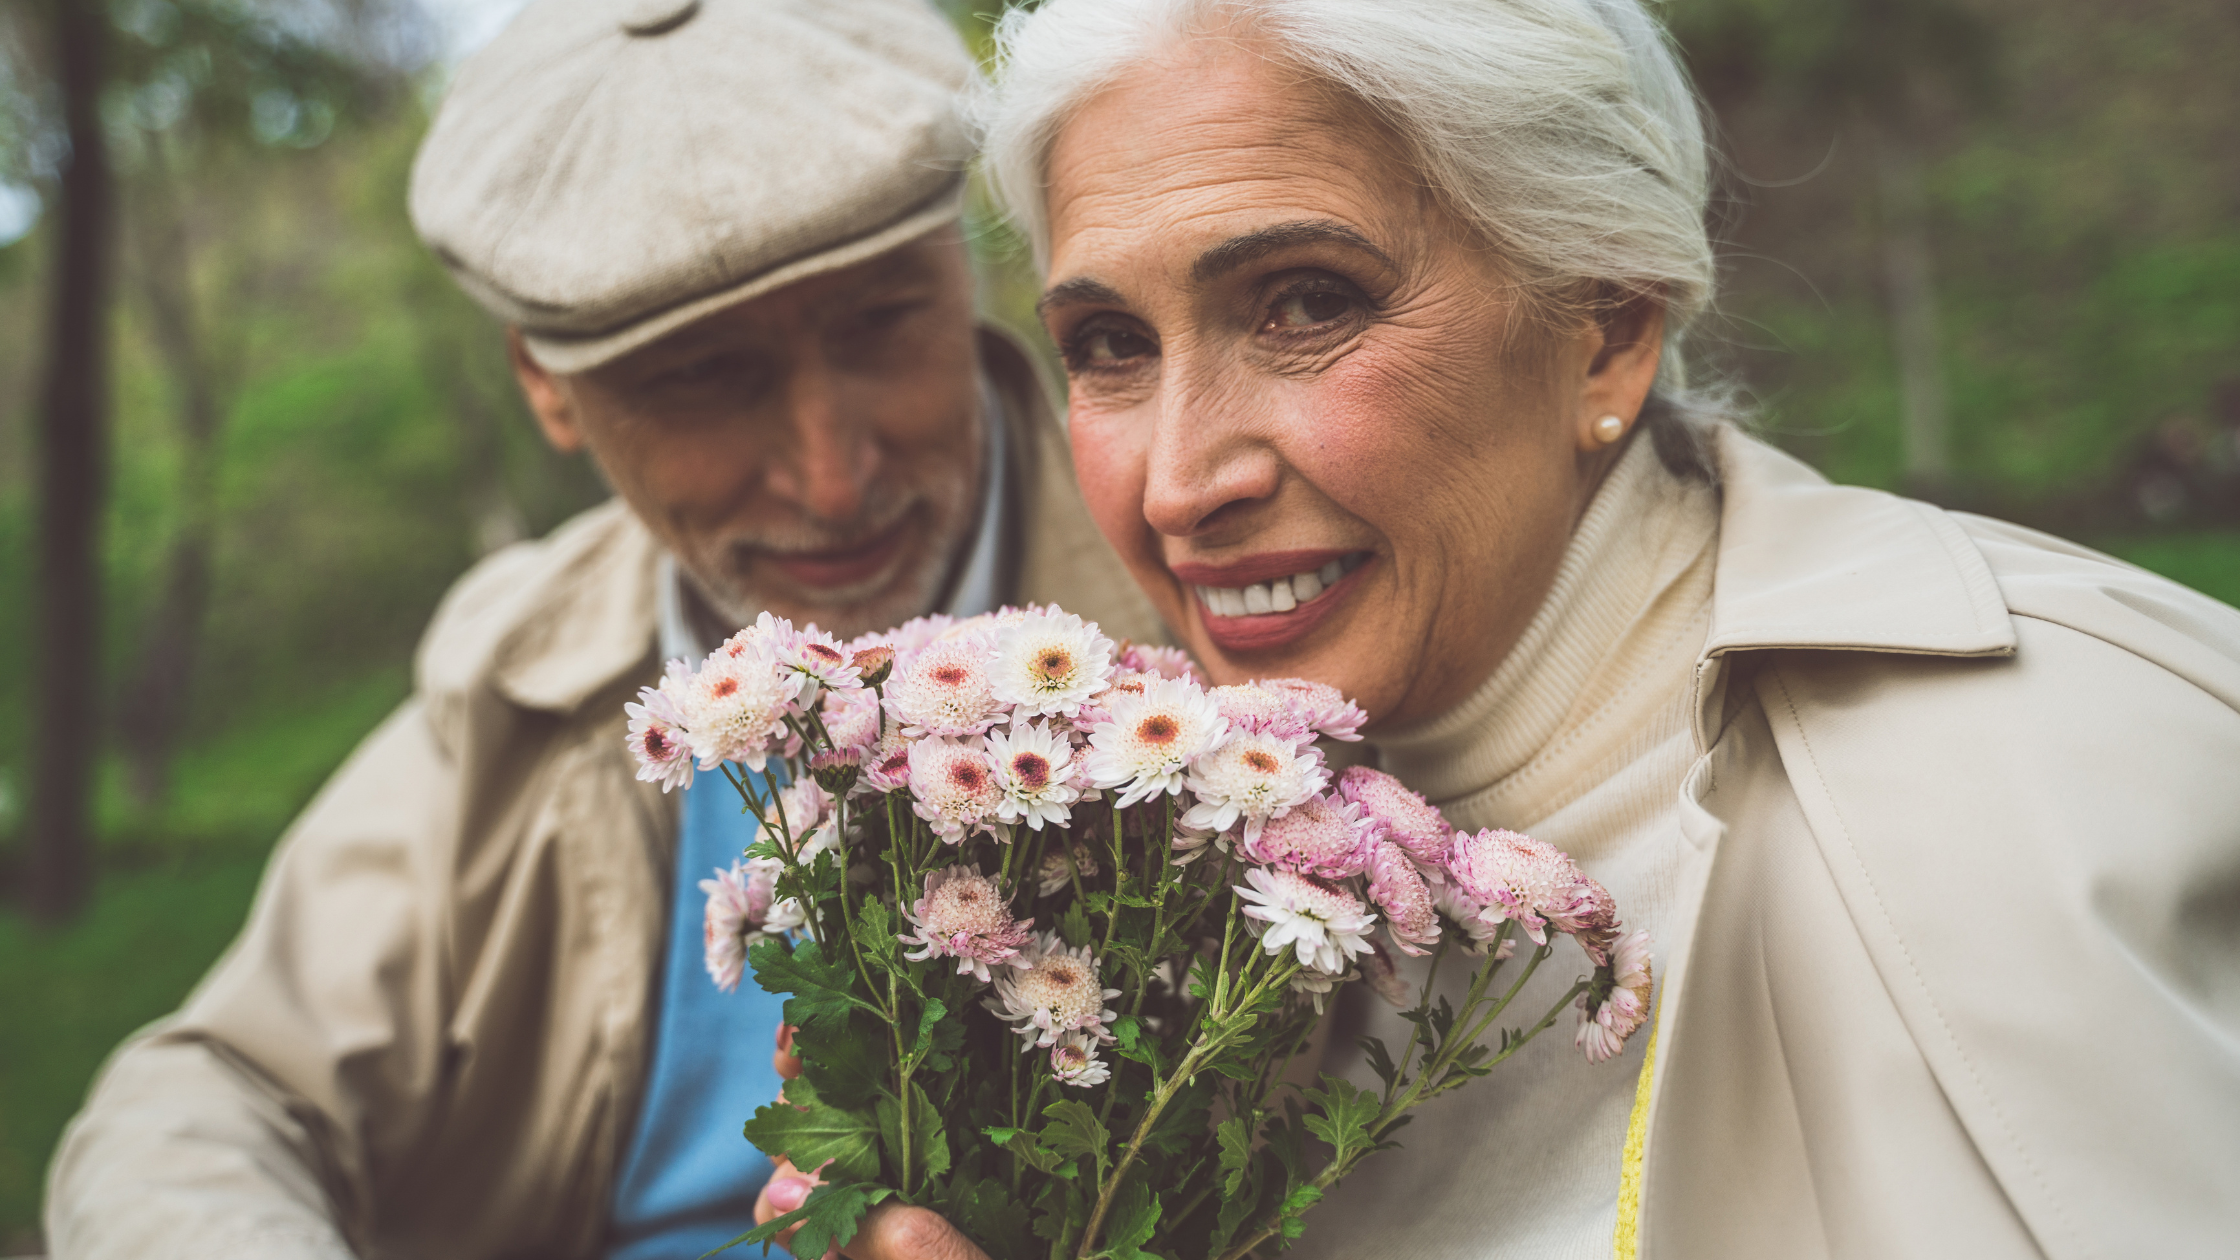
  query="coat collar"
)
[{"x": 1807, "y": 564}]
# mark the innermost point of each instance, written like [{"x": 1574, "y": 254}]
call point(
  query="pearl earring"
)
[{"x": 1609, "y": 429}]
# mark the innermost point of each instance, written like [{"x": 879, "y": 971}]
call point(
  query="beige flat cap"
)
[{"x": 607, "y": 171}]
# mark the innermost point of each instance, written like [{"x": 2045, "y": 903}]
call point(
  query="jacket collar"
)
[{"x": 1807, "y": 564}]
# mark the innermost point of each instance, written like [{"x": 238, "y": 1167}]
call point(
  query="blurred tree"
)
[
  {"x": 198, "y": 82},
  {"x": 1887, "y": 71},
  {"x": 74, "y": 451}
]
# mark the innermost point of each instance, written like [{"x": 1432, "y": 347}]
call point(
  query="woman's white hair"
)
[{"x": 1564, "y": 130}]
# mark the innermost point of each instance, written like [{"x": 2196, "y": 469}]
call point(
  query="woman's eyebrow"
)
[
  {"x": 1079, "y": 291},
  {"x": 1252, "y": 246}
]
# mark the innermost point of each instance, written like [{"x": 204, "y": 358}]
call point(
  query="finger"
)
[
  {"x": 895, "y": 1232},
  {"x": 787, "y": 1189},
  {"x": 787, "y": 1063}
]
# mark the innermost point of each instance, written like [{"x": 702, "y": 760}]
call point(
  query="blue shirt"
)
[{"x": 689, "y": 1182}]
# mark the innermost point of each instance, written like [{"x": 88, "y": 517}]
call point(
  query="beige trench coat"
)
[
  {"x": 430, "y": 1038},
  {"x": 1965, "y": 980}
]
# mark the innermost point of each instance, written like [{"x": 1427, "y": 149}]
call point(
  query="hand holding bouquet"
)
[{"x": 1054, "y": 919}]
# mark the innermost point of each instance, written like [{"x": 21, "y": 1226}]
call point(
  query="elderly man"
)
[{"x": 467, "y": 1016}]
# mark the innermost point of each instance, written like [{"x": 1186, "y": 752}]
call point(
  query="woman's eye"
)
[
  {"x": 1107, "y": 347},
  {"x": 1306, "y": 309}
]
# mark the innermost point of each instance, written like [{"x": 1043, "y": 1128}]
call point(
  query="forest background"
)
[{"x": 1983, "y": 251}]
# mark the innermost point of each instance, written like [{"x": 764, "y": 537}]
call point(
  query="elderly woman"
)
[{"x": 1372, "y": 315}]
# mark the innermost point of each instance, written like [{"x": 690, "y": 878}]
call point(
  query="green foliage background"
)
[{"x": 2083, "y": 207}]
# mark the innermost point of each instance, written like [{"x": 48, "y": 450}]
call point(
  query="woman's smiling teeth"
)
[{"x": 1279, "y": 596}]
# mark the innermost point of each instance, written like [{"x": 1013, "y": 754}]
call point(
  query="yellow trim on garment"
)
[{"x": 1625, "y": 1242}]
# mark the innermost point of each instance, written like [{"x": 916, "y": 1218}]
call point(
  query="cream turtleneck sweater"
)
[{"x": 1582, "y": 737}]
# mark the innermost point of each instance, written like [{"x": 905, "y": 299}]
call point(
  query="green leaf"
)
[
  {"x": 1073, "y": 1131},
  {"x": 829, "y": 1218},
  {"x": 821, "y": 989},
  {"x": 875, "y": 932},
  {"x": 988, "y": 1214},
  {"x": 802, "y": 1128},
  {"x": 1380, "y": 1060},
  {"x": 1134, "y": 1218},
  {"x": 845, "y": 1061},
  {"x": 1235, "y": 1136},
  {"x": 1073, "y": 925},
  {"x": 1295, "y": 1205},
  {"x": 1027, "y": 1146},
  {"x": 1346, "y": 1115},
  {"x": 929, "y": 1145}
]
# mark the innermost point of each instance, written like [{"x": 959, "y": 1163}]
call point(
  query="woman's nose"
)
[{"x": 1206, "y": 462}]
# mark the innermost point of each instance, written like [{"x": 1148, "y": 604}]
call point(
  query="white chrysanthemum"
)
[
  {"x": 944, "y": 689},
  {"x": 953, "y": 786},
  {"x": 1324, "y": 926},
  {"x": 1607, "y": 1016},
  {"x": 1477, "y": 929},
  {"x": 1034, "y": 768},
  {"x": 735, "y": 708},
  {"x": 1190, "y": 844},
  {"x": 809, "y": 818},
  {"x": 1057, "y": 992},
  {"x": 1049, "y": 662},
  {"x": 1251, "y": 776},
  {"x": 852, "y": 717},
  {"x": 1074, "y": 1061},
  {"x": 737, "y": 915},
  {"x": 1151, "y": 739},
  {"x": 1060, "y": 865}
]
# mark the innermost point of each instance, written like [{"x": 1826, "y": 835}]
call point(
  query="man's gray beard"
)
[{"x": 727, "y": 599}]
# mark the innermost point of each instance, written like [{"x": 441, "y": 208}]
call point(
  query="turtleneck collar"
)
[{"x": 1620, "y": 627}]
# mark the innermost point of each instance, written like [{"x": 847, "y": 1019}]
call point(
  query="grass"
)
[{"x": 187, "y": 878}]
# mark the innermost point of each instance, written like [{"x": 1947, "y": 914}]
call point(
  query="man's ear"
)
[
  {"x": 556, "y": 416},
  {"x": 1626, "y": 344}
]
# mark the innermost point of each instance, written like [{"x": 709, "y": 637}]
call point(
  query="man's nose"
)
[{"x": 830, "y": 458}]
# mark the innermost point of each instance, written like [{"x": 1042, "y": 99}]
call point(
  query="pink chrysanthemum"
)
[
  {"x": 1034, "y": 771},
  {"x": 1055, "y": 990},
  {"x": 1410, "y": 915},
  {"x": 1513, "y": 876},
  {"x": 1151, "y": 738},
  {"x": 1408, "y": 819},
  {"x": 907, "y": 637},
  {"x": 953, "y": 786},
  {"x": 1323, "y": 836},
  {"x": 1251, "y": 776},
  {"x": 1074, "y": 1061},
  {"x": 852, "y": 717},
  {"x": 1617, "y": 1004},
  {"x": 944, "y": 689},
  {"x": 1590, "y": 917},
  {"x": 1324, "y": 926},
  {"x": 1166, "y": 662},
  {"x": 1321, "y": 707},
  {"x": 886, "y": 764},
  {"x": 821, "y": 659},
  {"x": 1257, "y": 706},
  {"x": 735, "y": 708},
  {"x": 1478, "y": 931},
  {"x": 963, "y": 915},
  {"x": 739, "y": 901},
  {"x": 1049, "y": 663},
  {"x": 658, "y": 741}
]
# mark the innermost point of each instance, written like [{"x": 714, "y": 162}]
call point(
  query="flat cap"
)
[{"x": 607, "y": 171}]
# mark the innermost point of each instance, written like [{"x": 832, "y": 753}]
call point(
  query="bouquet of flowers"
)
[{"x": 1055, "y": 920}]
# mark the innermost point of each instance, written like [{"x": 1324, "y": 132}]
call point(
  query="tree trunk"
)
[
  {"x": 152, "y": 707},
  {"x": 73, "y": 466},
  {"x": 1909, "y": 280}
]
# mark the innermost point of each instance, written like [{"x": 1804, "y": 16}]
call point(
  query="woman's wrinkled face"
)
[{"x": 1306, "y": 406}]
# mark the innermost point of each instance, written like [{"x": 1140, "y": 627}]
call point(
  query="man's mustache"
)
[{"x": 884, "y": 512}]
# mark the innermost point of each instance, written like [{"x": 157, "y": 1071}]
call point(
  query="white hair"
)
[{"x": 1563, "y": 130}]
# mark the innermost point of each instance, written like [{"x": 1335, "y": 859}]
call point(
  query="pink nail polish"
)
[{"x": 788, "y": 1193}]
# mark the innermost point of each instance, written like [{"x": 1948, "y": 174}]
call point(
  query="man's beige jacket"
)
[
  {"x": 430, "y": 1039},
  {"x": 1965, "y": 980}
]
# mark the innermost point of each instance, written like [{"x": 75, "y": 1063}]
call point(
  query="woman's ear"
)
[
  {"x": 1625, "y": 343},
  {"x": 556, "y": 416}
]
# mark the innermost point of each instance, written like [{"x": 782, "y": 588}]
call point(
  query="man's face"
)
[{"x": 815, "y": 451}]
